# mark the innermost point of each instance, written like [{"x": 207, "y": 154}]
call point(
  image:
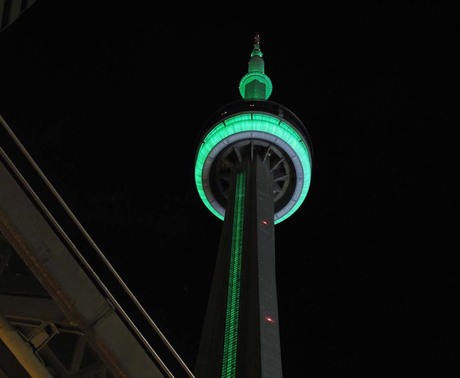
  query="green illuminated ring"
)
[{"x": 262, "y": 126}]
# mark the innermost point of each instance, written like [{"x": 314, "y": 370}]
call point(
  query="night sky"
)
[{"x": 110, "y": 101}]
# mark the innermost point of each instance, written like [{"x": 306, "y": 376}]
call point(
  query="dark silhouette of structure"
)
[
  {"x": 253, "y": 170},
  {"x": 64, "y": 311},
  {"x": 59, "y": 315},
  {"x": 11, "y": 10}
]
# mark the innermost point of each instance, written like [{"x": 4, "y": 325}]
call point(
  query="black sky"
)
[{"x": 110, "y": 101}]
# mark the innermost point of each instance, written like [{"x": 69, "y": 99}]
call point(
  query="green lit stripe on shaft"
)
[{"x": 233, "y": 299}]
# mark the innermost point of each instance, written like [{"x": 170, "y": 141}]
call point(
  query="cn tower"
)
[{"x": 252, "y": 170}]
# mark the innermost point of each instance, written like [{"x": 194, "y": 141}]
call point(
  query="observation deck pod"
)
[{"x": 238, "y": 131}]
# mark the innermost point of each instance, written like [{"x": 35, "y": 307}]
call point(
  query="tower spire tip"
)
[{"x": 255, "y": 85}]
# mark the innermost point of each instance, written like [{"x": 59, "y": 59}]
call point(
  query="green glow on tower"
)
[
  {"x": 261, "y": 150},
  {"x": 255, "y": 85},
  {"x": 259, "y": 125},
  {"x": 233, "y": 294}
]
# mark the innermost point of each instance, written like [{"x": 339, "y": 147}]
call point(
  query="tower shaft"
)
[
  {"x": 241, "y": 334},
  {"x": 252, "y": 170}
]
